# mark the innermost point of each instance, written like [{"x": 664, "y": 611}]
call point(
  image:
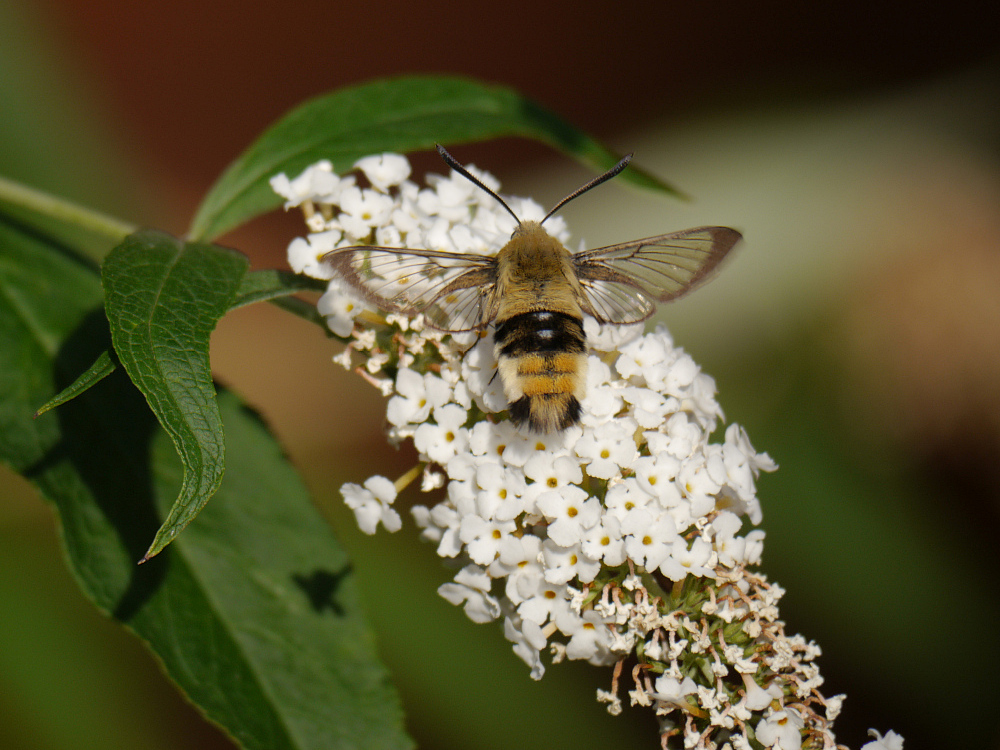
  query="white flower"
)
[
  {"x": 447, "y": 520},
  {"x": 835, "y": 704},
  {"x": 624, "y": 496},
  {"x": 782, "y": 730},
  {"x": 565, "y": 563},
  {"x": 648, "y": 407},
  {"x": 613, "y": 701},
  {"x": 371, "y": 504},
  {"x": 479, "y": 368},
  {"x": 648, "y": 539},
  {"x": 418, "y": 395},
  {"x": 588, "y": 634},
  {"x": 570, "y": 512},
  {"x": 641, "y": 358},
  {"x": 491, "y": 440},
  {"x": 682, "y": 436},
  {"x": 677, "y": 378},
  {"x": 608, "y": 448},
  {"x": 519, "y": 562},
  {"x": 462, "y": 470},
  {"x": 743, "y": 463},
  {"x": 544, "y": 603},
  {"x": 529, "y": 640},
  {"x": 545, "y": 449},
  {"x": 412, "y": 404},
  {"x": 443, "y": 440},
  {"x": 452, "y": 196},
  {"x": 609, "y": 338},
  {"x": 669, "y": 689},
  {"x": 888, "y": 741},
  {"x": 655, "y": 475},
  {"x": 340, "y": 307},
  {"x": 472, "y": 586},
  {"x": 603, "y": 541},
  {"x": 363, "y": 210},
  {"x": 684, "y": 560},
  {"x": 316, "y": 183},
  {"x": 739, "y": 470},
  {"x": 549, "y": 472},
  {"x": 757, "y": 698},
  {"x": 306, "y": 255},
  {"x": 754, "y": 548},
  {"x": 697, "y": 484},
  {"x": 501, "y": 492},
  {"x": 385, "y": 170},
  {"x": 482, "y": 537}
]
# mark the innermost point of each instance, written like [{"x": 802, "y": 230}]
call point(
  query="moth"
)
[{"x": 535, "y": 292}]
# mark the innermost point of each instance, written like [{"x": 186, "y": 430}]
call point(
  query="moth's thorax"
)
[{"x": 535, "y": 272}]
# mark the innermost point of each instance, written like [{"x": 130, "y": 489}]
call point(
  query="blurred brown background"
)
[{"x": 856, "y": 335}]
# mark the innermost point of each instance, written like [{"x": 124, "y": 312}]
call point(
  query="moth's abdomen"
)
[{"x": 542, "y": 358}]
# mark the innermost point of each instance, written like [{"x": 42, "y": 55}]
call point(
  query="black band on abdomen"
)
[{"x": 540, "y": 331}]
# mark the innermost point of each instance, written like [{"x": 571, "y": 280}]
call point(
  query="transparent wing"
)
[
  {"x": 452, "y": 290},
  {"x": 622, "y": 283}
]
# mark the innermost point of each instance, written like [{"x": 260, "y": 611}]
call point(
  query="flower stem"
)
[
  {"x": 408, "y": 477},
  {"x": 372, "y": 318},
  {"x": 64, "y": 211},
  {"x": 304, "y": 310}
]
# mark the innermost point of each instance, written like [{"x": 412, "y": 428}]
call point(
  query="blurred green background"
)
[{"x": 856, "y": 334}]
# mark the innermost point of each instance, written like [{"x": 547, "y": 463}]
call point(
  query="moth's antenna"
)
[
  {"x": 593, "y": 183},
  {"x": 453, "y": 163}
]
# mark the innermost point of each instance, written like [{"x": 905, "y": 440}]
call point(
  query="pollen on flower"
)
[{"x": 620, "y": 537}]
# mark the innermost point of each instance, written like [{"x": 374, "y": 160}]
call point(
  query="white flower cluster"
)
[{"x": 621, "y": 536}]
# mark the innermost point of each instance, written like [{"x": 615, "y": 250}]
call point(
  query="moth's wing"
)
[
  {"x": 452, "y": 290},
  {"x": 622, "y": 283}
]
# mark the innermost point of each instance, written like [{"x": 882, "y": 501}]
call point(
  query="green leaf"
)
[
  {"x": 46, "y": 293},
  {"x": 254, "y": 611},
  {"x": 163, "y": 297},
  {"x": 102, "y": 367},
  {"x": 303, "y": 672},
  {"x": 258, "y": 286},
  {"x": 400, "y": 115}
]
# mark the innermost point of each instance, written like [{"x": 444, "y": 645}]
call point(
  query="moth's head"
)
[{"x": 527, "y": 229}]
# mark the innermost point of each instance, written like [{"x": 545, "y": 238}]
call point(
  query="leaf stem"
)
[
  {"x": 303, "y": 309},
  {"x": 14, "y": 193}
]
